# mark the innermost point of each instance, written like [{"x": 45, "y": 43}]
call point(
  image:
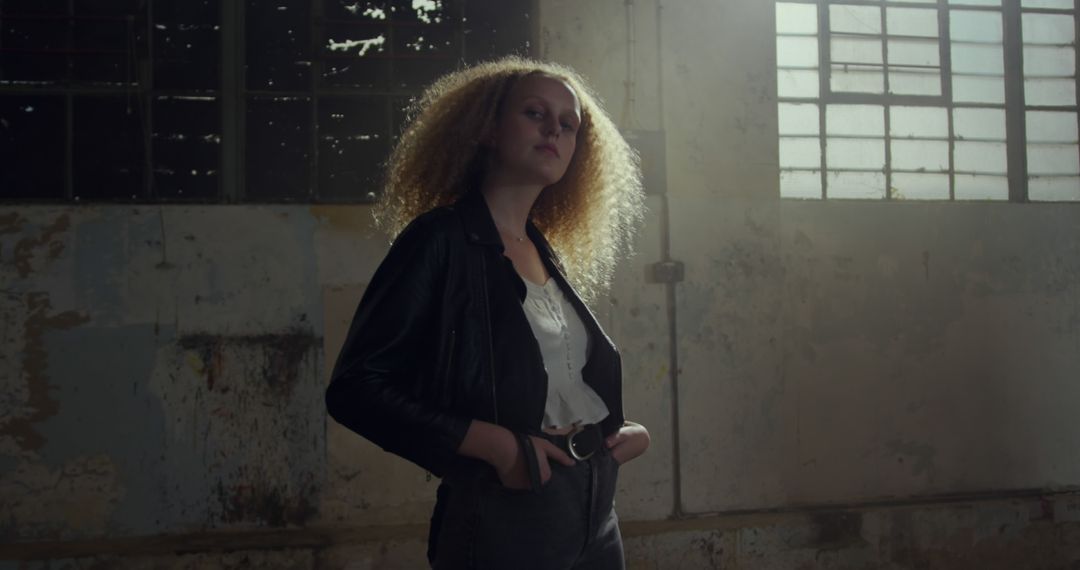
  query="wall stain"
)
[
  {"x": 24, "y": 248},
  {"x": 272, "y": 505},
  {"x": 34, "y": 364},
  {"x": 11, "y": 223},
  {"x": 284, "y": 353}
]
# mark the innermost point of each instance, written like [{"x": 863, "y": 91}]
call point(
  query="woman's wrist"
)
[{"x": 490, "y": 443}]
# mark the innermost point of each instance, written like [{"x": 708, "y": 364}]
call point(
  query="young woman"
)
[{"x": 472, "y": 353}]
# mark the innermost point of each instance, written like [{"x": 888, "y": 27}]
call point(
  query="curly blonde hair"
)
[{"x": 589, "y": 216}]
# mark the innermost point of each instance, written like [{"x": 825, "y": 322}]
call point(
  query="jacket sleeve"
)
[{"x": 372, "y": 387}]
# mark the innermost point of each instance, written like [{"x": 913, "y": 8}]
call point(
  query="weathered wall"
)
[{"x": 842, "y": 367}]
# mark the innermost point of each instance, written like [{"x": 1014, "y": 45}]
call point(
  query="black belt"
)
[{"x": 581, "y": 443}]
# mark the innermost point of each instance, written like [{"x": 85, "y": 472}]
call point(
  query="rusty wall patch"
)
[
  {"x": 35, "y": 362},
  {"x": 25, "y": 247}
]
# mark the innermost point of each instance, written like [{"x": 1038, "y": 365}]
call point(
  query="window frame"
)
[
  {"x": 232, "y": 94},
  {"x": 1015, "y": 106}
]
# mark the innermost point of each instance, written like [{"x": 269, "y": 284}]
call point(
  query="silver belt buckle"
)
[{"x": 570, "y": 444}]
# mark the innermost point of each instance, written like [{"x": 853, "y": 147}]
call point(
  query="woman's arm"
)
[
  {"x": 372, "y": 385},
  {"x": 629, "y": 442}
]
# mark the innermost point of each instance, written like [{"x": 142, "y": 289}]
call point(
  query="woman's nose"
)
[{"x": 551, "y": 128}]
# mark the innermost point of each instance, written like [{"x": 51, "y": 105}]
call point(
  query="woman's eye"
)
[
  {"x": 533, "y": 113},
  {"x": 568, "y": 127}
]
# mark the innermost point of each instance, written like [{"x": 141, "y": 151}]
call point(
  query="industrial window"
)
[
  {"x": 928, "y": 99},
  {"x": 218, "y": 101}
]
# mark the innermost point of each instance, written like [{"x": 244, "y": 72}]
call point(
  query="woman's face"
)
[{"x": 537, "y": 131}]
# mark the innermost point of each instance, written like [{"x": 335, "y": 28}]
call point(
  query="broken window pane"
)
[
  {"x": 278, "y": 53},
  {"x": 187, "y": 148},
  {"x": 353, "y": 143},
  {"x": 355, "y": 55},
  {"x": 187, "y": 44},
  {"x": 854, "y": 19},
  {"x": 32, "y": 146}
]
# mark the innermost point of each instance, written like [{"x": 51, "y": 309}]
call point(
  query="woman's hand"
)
[
  {"x": 629, "y": 442},
  {"x": 499, "y": 448},
  {"x": 513, "y": 471}
]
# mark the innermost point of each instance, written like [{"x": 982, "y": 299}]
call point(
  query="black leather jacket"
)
[{"x": 440, "y": 338}]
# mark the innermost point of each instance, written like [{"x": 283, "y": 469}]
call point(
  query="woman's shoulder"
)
[{"x": 438, "y": 224}]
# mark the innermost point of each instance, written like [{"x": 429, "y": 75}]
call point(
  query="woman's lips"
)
[{"x": 548, "y": 147}]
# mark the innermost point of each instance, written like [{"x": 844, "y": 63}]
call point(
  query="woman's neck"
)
[{"x": 510, "y": 205}]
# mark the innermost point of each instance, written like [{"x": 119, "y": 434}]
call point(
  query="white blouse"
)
[{"x": 564, "y": 344}]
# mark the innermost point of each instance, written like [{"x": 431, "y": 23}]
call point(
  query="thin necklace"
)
[{"x": 513, "y": 235}]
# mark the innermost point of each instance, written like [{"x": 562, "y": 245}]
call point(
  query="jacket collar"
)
[
  {"x": 480, "y": 227},
  {"x": 476, "y": 220}
]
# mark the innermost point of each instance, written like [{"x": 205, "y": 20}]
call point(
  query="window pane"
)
[
  {"x": 855, "y": 154},
  {"x": 1062, "y": 4},
  {"x": 800, "y": 184},
  {"x": 34, "y": 47},
  {"x": 797, "y": 83},
  {"x": 279, "y": 142},
  {"x": 857, "y": 79},
  {"x": 980, "y": 157},
  {"x": 798, "y": 119},
  {"x": 918, "y": 122},
  {"x": 1049, "y": 61},
  {"x": 278, "y": 37},
  {"x": 855, "y": 120},
  {"x": 1053, "y": 159},
  {"x": 1050, "y": 91},
  {"x": 856, "y": 185},
  {"x": 355, "y": 55},
  {"x": 979, "y": 124},
  {"x": 353, "y": 142},
  {"x": 112, "y": 171},
  {"x": 914, "y": 82},
  {"x": 1050, "y": 126},
  {"x": 855, "y": 19},
  {"x": 31, "y": 146},
  {"x": 920, "y": 155},
  {"x": 796, "y": 51},
  {"x": 796, "y": 18},
  {"x": 800, "y": 152},
  {"x": 187, "y": 44},
  {"x": 912, "y": 22},
  {"x": 975, "y": 2},
  {"x": 855, "y": 50},
  {"x": 919, "y": 186},
  {"x": 1054, "y": 188},
  {"x": 187, "y": 148},
  {"x": 969, "y": 25},
  {"x": 981, "y": 187},
  {"x": 1053, "y": 29}
]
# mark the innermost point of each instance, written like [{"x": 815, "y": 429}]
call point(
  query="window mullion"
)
[
  {"x": 232, "y": 102},
  {"x": 824, "y": 80},
  {"x": 1015, "y": 121},
  {"x": 886, "y": 136}
]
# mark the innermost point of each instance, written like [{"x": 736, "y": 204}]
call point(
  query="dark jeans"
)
[{"x": 569, "y": 524}]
